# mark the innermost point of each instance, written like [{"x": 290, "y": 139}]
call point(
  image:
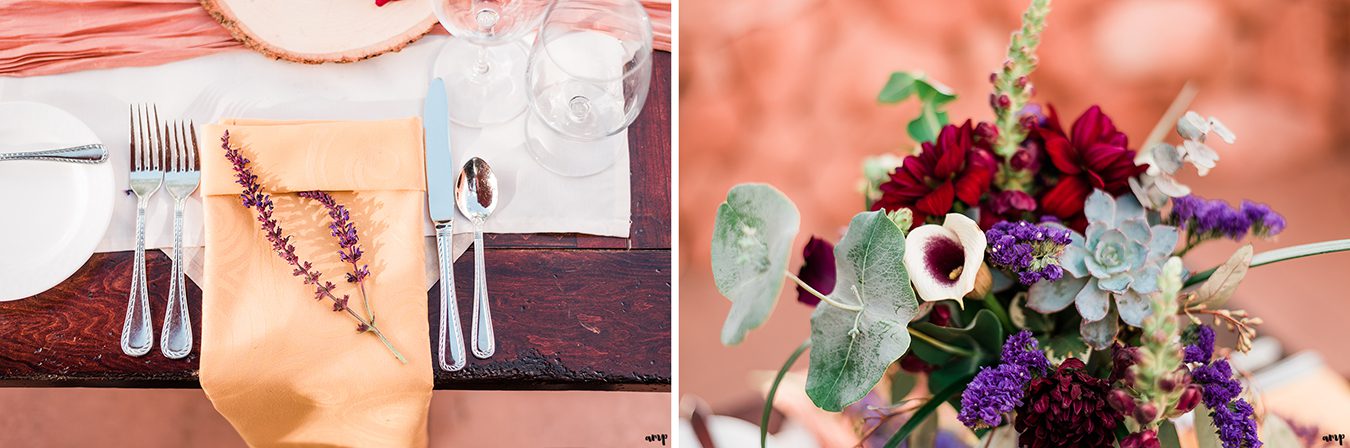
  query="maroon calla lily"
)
[
  {"x": 1094, "y": 155},
  {"x": 950, "y": 168},
  {"x": 817, "y": 270}
]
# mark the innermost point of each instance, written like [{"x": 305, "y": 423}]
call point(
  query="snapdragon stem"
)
[
  {"x": 823, "y": 297},
  {"x": 939, "y": 344}
]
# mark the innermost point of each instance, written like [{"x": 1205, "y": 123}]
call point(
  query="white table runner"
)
[{"x": 533, "y": 200}]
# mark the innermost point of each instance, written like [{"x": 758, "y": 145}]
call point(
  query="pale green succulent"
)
[{"x": 1119, "y": 257}]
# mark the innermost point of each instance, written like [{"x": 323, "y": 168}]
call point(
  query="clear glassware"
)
[
  {"x": 588, "y": 76},
  {"x": 483, "y": 64}
]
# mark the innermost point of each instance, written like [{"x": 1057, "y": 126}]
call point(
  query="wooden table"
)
[{"x": 570, "y": 311}]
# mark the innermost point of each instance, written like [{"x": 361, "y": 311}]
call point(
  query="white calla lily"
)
[{"x": 944, "y": 261}]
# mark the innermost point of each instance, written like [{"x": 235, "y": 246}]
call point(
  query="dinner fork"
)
[
  {"x": 182, "y": 173},
  {"x": 146, "y": 177}
]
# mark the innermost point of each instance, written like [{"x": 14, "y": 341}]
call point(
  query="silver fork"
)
[
  {"x": 146, "y": 177},
  {"x": 181, "y": 177}
]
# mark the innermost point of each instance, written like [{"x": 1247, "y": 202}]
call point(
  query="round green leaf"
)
[
  {"x": 752, "y": 239},
  {"x": 851, "y": 349}
]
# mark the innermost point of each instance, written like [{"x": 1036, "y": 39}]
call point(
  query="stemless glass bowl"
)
[
  {"x": 483, "y": 64},
  {"x": 588, "y": 76}
]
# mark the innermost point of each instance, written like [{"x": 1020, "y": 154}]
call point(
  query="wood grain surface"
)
[{"x": 570, "y": 311}]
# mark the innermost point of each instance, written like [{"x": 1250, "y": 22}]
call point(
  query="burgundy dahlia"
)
[
  {"x": 1093, "y": 156},
  {"x": 1067, "y": 408},
  {"x": 950, "y": 168}
]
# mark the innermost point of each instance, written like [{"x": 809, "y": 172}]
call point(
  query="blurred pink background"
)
[{"x": 784, "y": 92}]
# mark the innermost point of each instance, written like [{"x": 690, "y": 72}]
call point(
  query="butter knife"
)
[
  {"x": 90, "y": 154},
  {"x": 441, "y": 177}
]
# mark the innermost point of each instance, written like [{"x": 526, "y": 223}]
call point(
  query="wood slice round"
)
[{"x": 318, "y": 31}]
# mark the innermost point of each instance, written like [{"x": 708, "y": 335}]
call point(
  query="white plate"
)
[{"x": 52, "y": 214}]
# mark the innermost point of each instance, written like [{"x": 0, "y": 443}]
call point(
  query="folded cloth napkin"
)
[{"x": 281, "y": 367}]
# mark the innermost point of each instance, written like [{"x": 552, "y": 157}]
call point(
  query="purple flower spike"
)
[{"x": 817, "y": 270}]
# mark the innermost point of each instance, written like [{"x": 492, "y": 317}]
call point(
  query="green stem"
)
[
  {"x": 388, "y": 344},
  {"x": 991, "y": 302},
  {"x": 773, "y": 391},
  {"x": 928, "y": 408},
  {"x": 939, "y": 344},
  {"x": 1282, "y": 254},
  {"x": 822, "y": 297}
]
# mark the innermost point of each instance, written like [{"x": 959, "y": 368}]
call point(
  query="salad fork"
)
[
  {"x": 146, "y": 177},
  {"x": 181, "y": 177}
]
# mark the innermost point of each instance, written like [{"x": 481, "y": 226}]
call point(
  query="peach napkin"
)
[{"x": 281, "y": 367}]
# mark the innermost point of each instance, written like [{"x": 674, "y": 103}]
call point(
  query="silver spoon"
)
[{"x": 476, "y": 197}]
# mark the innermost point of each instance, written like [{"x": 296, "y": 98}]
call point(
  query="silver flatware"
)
[
  {"x": 89, "y": 154},
  {"x": 181, "y": 176},
  {"x": 147, "y": 175},
  {"x": 476, "y": 197},
  {"x": 440, "y": 202}
]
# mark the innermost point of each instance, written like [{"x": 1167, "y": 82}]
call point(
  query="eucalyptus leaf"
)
[
  {"x": 852, "y": 349},
  {"x": 752, "y": 239},
  {"x": 1220, "y": 286}
]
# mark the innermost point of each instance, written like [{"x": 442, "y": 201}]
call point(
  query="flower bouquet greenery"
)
[{"x": 1028, "y": 271}]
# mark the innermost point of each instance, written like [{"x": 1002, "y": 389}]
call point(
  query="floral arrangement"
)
[
  {"x": 349, "y": 248},
  {"x": 1030, "y": 272}
]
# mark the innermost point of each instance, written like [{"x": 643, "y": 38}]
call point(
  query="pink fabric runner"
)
[{"x": 44, "y": 37}]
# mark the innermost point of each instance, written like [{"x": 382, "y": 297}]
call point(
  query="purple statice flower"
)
[
  {"x": 1031, "y": 251},
  {"x": 1217, "y": 384},
  {"x": 1203, "y": 349},
  {"x": 998, "y": 390},
  {"x": 1022, "y": 350},
  {"x": 1265, "y": 222},
  {"x": 1237, "y": 428},
  {"x": 1220, "y": 391},
  {"x": 1210, "y": 219},
  {"x": 817, "y": 270},
  {"x": 993, "y": 393}
]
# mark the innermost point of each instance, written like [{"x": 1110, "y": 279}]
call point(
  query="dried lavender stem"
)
[{"x": 253, "y": 197}]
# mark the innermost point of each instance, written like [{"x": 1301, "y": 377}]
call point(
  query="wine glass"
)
[
  {"x": 483, "y": 64},
  {"x": 588, "y": 77}
]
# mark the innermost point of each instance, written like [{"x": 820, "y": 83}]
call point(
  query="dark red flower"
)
[
  {"x": 950, "y": 168},
  {"x": 382, "y": 2},
  {"x": 817, "y": 270},
  {"x": 1093, "y": 156},
  {"x": 1067, "y": 408}
]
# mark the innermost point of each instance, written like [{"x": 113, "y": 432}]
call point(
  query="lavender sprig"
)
[
  {"x": 253, "y": 197},
  {"x": 348, "y": 242}
]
